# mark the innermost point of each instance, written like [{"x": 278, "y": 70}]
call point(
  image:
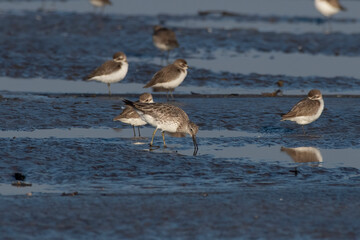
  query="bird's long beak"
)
[{"x": 196, "y": 148}]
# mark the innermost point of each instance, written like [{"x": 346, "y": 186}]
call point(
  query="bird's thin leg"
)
[
  {"x": 167, "y": 96},
  {"x": 42, "y": 5},
  {"x": 162, "y": 57},
  {"x": 139, "y": 130},
  {"x": 152, "y": 139},
  {"x": 134, "y": 131},
  {"x": 109, "y": 89},
  {"x": 172, "y": 96},
  {"x": 167, "y": 57},
  {"x": 163, "y": 135},
  {"x": 303, "y": 129},
  {"x": 329, "y": 26}
]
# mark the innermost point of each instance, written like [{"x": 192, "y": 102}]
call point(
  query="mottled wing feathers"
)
[
  {"x": 166, "y": 74},
  {"x": 128, "y": 112},
  {"x": 305, "y": 107},
  {"x": 107, "y": 68},
  {"x": 336, "y": 4},
  {"x": 159, "y": 111}
]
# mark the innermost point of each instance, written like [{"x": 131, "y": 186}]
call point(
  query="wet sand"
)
[
  {"x": 319, "y": 214},
  {"x": 253, "y": 177}
]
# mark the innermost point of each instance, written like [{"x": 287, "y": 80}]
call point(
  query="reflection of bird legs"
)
[
  {"x": 303, "y": 129},
  {"x": 139, "y": 130}
]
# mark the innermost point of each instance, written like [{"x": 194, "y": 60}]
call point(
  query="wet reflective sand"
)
[{"x": 254, "y": 177}]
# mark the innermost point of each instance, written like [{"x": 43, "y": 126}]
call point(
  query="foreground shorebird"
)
[
  {"x": 167, "y": 118},
  {"x": 111, "y": 71},
  {"x": 307, "y": 110},
  {"x": 164, "y": 39},
  {"x": 169, "y": 77},
  {"x": 100, "y": 3},
  {"x": 130, "y": 116}
]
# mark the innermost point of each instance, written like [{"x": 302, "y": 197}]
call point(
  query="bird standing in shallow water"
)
[
  {"x": 130, "y": 116},
  {"x": 164, "y": 39},
  {"x": 328, "y": 8},
  {"x": 167, "y": 118},
  {"x": 169, "y": 77},
  {"x": 111, "y": 71},
  {"x": 307, "y": 110}
]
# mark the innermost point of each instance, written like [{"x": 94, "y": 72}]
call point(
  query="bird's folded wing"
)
[{"x": 107, "y": 68}]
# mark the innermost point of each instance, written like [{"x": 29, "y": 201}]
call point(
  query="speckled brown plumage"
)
[
  {"x": 128, "y": 112},
  {"x": 164, "y": 112},
  {"x": 166, "y": 117}
]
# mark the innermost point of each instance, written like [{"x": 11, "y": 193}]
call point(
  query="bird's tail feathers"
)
[{"x": 128, "y": 102}]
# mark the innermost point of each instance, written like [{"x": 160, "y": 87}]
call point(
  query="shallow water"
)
[{"x": 254, "y": 176}]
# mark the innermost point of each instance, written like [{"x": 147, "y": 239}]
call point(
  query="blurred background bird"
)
[{"x": 164, "y": 39}]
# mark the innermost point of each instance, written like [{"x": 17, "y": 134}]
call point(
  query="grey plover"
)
[
  {"x": 167, "y": 118},
  {"x": 164, "y": 39},
  {"x": 130, "y": 116},
  {"x": 169, "y": 77},
  {"x": 307, "y": 110},
  {"x": 111, "y": 71}
]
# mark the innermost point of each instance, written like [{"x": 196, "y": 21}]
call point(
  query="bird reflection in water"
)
[{"x": 304, "y": 155}]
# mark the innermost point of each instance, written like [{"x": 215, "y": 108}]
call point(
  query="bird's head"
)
[
  {"x": 315, "y": 94},
  {"x": 119, "y": 57}
]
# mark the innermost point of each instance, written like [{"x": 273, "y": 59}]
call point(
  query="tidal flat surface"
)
[{"x": 254, "y": 177}]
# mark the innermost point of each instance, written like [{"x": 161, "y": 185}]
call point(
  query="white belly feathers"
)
[{"x": 115, "y": 76}]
